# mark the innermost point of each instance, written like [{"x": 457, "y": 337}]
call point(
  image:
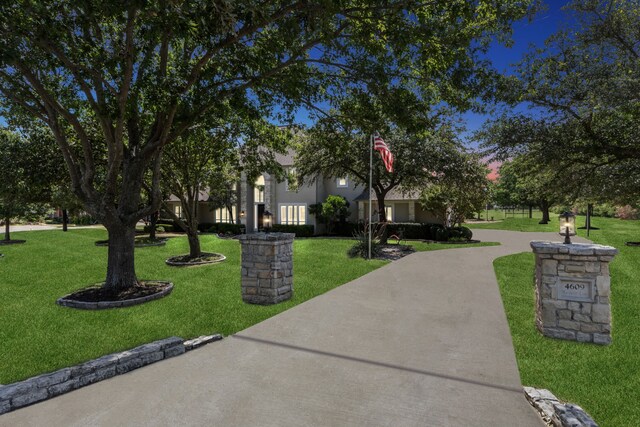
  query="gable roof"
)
[{"x": 395, "y": 194}]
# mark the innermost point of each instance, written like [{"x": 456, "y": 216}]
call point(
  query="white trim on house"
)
[{"x": 293, "y": 213}]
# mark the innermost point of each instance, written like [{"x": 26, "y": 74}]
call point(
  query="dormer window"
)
[{"x": 342, "y": 182}]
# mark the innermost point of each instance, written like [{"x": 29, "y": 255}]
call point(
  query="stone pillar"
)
[
  {"x": 267, "y": 267},
  {"x": 572, "y": 291}
]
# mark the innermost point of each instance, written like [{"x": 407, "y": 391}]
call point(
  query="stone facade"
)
[
  {"x": 267, "y": 267},
  {"x": 572, "y": 291}
]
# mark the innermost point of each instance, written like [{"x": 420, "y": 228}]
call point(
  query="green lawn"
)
[
  {"x": 39, "y": 336},
  {"x": 605, "y": 381}
]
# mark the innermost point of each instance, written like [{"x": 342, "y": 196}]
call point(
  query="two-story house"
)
[{"x": 289, "y": 203}]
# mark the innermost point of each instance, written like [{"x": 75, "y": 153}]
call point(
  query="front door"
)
[{"x": 260, "y": 216}]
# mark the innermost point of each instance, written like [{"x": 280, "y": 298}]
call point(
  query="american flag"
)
[{"x": 385, "y": 153}]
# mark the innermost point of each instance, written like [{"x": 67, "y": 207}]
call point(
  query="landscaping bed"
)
[
  {"x": 204, "y": 259},
  {"x": 12, "y": 242},
  {"x": 97, "y": 297},
  {"x": 140, "y": 242}
]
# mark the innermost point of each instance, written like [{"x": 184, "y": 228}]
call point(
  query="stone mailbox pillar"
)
[
  {"x": 572, "y": 291},
  {"x": 267, "y": 267}
]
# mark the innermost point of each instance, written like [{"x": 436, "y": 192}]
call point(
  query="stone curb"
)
[
  {"x": 45, "y": 386},
  {"x": 65, "y": 301},
  {"x": 189, "y": 264},
  {"x": 555, "y": 413}
]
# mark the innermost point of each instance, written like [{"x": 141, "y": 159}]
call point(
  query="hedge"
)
[
  {"x": 226, "y": 228},
  {"x": 298, "y": 230}
]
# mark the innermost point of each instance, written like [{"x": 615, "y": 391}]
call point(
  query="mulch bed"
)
[
  {"x": 140, "y": 242},
  {"x": 203, "y": 259},
  {"x": 97, "y": 297},
  {"x": 394, "y": 252},
  {"x": 11, "y": 242}
]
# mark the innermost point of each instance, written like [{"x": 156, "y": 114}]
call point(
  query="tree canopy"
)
[{"x": 121, "y": 80}]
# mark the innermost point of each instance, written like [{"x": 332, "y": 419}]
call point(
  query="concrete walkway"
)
[{"x": 423, "y": 341}]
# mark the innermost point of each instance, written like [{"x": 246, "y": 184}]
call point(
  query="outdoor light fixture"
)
[
  {"x": 242, "y": 214},
  {"x": 267, "y": 218},
  {"x": 567, "y": 226}
]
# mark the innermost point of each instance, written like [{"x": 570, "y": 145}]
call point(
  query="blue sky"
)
[{"x": 526, "y": 34}]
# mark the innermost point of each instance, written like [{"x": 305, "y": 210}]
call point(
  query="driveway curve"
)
[{"x": 423, "y": 341}]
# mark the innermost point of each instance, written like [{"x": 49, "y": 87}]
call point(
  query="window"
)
[
  {"x": 222, "y": 215},
  {"x": 293, "y": 214},
  {"x": 342, "y": 182},
  {"x": 258, "y": 195},
  {"x": 177, "y": 210},
  {"x": 388, "y": 213}
]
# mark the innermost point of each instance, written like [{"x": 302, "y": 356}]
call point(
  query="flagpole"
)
[{"x": 370, "y": 180}]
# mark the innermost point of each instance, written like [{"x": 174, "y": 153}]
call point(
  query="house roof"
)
[
  {"x": 394, "y": 194},
  {"x": 286, "y": 159}
]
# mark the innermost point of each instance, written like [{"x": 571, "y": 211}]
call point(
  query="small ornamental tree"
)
[
  {"x": 334, "y": 209},
  {"x": 459, "y": 191}
]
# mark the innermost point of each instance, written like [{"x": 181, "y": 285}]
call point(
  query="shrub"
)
[
  {"x": 361, "y": 247},
  {"x": 345, "y": 229},
  {"x": 205, "y": 226},
  {"x": 159, "y": 229},
  {"x": 460, "y": 233},
  {"x": 298, "y": 230},
  {"x": 226, "y": 228},
  {"x": 408, "y": 230},
  {"x": 168, "y": 225},
  {"x": 627, "y": 212},
  {"x": 82, "y": 220},
  {"x": 441, "y": 234}
]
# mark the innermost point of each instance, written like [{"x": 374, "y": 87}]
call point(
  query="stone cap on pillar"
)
[
  {"x": 546, "y": 247},
  {"x": 267, "y": 237}
]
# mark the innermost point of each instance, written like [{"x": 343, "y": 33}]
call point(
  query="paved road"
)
[{"x": 423, "y": 341}]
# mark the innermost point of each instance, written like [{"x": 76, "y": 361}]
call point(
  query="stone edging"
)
[
  {"x": 557, "y": 414},
  {"x": 46, "y": 386},
  {"x": 161, "y": 242},
  {"x": 84, "y": 305},
  {"x": 188, "y": 264}
]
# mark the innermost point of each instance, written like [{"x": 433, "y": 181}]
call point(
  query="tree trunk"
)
[
  {"x": 382, "y": 218},
  {"x": 121, "y": 273},
  {"x": 544, "y": 207},
  {"x": 153, "y": 222},
  {"x": 587, "y": 223},
  {"x": 65, "y": 220},
  {"x": 194, "y": 242},
  {"x": 530, "y": 211},
  {"x": 230, "y": 210},
  {"x": 7, "y": 237}
]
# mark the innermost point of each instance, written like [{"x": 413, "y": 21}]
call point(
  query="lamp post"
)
[
  {"x": 567, "y": 226},
  {"x": 267, "y": 217}
]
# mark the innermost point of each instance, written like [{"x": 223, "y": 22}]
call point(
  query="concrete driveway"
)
[{"x": 423, "y": 341}]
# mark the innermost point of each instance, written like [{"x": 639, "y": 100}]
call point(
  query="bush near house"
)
[
  {"x": 427, "y": 231},
  {"x": 168, "y": 225},
  {"x": 298, "y": 230},
  {"x": 204, "y": 227},
  {"x": 226, "y": 228}
]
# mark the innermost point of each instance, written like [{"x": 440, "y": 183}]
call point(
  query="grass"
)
[
  {"x": 39, "y": 336},
  {"x": 604, "y": 380}
]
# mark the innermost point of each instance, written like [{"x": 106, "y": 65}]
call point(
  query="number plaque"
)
[{"x": 575, "y": 289}]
